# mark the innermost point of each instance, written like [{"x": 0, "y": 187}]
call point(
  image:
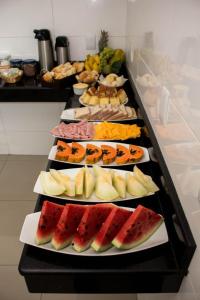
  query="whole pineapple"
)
[{"x": 103, "y": 41}]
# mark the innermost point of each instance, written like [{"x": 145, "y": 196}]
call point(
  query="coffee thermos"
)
[
  {"x": 45, "y": 49},
  {"x": 61, "y": 47}
]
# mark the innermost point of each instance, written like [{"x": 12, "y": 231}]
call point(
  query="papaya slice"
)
[
  {"x": 93, "y": 154},
  {"x": 63, "y": 151},
  {"x": 77, "y": 154},
  {"x": 109, "y": 154},
  {"x": 136, "y": 153},
  {"x": 123, "y": 154}
]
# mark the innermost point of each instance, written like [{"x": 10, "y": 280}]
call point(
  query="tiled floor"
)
[{"x": 17, "y": 178}]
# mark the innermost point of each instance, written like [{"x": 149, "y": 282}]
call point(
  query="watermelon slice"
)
[
  {"x": 50, "y": 214},
  {"x": 142, "y": 223},
  {"x": 110, "y": 228},
  {"x": 90, "y": 224},
  {"x": 67, "y": 225}
]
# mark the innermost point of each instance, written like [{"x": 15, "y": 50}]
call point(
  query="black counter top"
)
[{"x": 31, "y": 90}]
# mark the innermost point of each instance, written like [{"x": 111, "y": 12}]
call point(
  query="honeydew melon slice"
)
[
  {"x": 65, "y": 181},
  {"x": 79, "y": 182},
  {"x": 49, "y": 185},
  {"x": 104, "y": 190},
  {"x": 134, "y": 187},
  {"x": 119, "y": 183},
  {"x": 145, "y": 180},
  {"x": 89, "y": 182}
]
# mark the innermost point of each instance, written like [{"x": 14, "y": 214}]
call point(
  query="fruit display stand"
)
[{"x": 157, "y": 270}]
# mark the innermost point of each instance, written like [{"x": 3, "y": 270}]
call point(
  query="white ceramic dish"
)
[
  {"x": 72, "y": 173},
  {"x": 68, "y": 114},
  {"x": 82, "y": 103},
  {"x": 145, "y": 157},
  {"x": 103, "y": 82},
  {"x": 29, "y": 229},
  {"x": 92, "y": 139}
]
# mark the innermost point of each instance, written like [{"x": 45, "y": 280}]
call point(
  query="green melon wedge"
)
[
  {"x": 134, "y": 187},
  {"x": 79, "y": 182},
  {"x": 119, "y": 183},
  {"x": 49, "y": 185},
  {"x": 145, "y": 180},
  {"x": 64, "y": 180},
  {"x": 89, "y": 182},
  {"x": 104, "y": 190}
]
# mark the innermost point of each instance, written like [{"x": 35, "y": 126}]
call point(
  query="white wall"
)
[
  {"x": 163, "y": 40},
  {"x": 20, "y": 122},
  {"x": 74, "y": 18}
]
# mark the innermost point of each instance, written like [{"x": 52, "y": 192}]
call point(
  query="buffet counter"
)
[{"x": 155, "y": 270}]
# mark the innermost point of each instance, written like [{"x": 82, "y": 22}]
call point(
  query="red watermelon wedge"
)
[
  {"x": 110, "y": 228},
  {"x": 142, "y": 223},
  {"x": 90, "y": 224},
  {"x": 50, "y": 214},
  {"x": 67, "y": 225}
]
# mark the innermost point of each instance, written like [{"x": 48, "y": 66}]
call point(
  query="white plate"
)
[
  {"x": 72, "y": 173},
  {"x": 92, "y": 139},
  {"x": 29, "y": 229},
  {"x": 145, "y": 157},
  {"x": 68, "y": 114},
  {"x": 81, "y": 102}
]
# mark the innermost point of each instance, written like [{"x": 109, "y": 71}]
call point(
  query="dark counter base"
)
[{"x": 105, "y": 283}]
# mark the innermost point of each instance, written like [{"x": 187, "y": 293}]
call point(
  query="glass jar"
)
[
  {"x": 29, "y": 67},
  {"x": 16, "y": 63}
]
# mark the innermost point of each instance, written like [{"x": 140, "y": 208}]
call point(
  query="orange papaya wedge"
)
[
  {"x": 93, "y": 154},
  {"x": 136, "y": 153},
  {"x": 63, "y": 151},
  {"x": 77, "y": 154},
  {"x": 109, "y": 153},
  {"x": 122, "y": 155}
]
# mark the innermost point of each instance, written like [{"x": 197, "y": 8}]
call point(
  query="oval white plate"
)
[
  {"x": 81, "y": 102},
  {"x": 29, "y": 229},
  {"x": 145, "y": 157},
  {"x": 92, "y": 139},
  {"x": 68, "y": 114},
  {"x": 72, "y": 173}
]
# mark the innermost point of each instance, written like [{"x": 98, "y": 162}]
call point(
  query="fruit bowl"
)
[{"x": 112, "y": 80}]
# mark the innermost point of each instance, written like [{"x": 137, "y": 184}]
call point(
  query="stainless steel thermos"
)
[
  {"x": 45, "y": 49},
  {"x": 62, "y": 49}
]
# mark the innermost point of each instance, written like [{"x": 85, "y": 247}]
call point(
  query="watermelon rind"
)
[
  {"x": 77, "y": 247},
  {"x": 125, "y": 246},
  {"x": 59, "y": 246},
  {"x": 99, "y": 248},
  {"x": 42, "y": 240}
]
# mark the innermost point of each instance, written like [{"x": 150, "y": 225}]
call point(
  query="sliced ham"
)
[{"x": 82, "y": 130}]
